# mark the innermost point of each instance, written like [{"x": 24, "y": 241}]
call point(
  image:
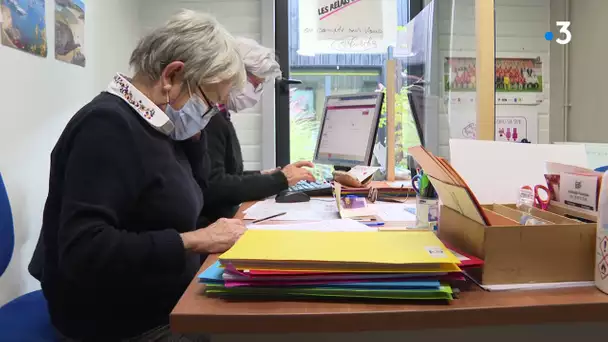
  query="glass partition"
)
[{"x": 333, "y": 50}]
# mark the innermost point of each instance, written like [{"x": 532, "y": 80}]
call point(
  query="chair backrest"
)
[
  {"x": 602, "y": 169},
  {"x": 7, "y": 232}
]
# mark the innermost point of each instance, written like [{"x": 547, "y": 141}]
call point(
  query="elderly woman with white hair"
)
[
  {"x": 229, "y": 184},
  {"x": 119, "y": 234}
]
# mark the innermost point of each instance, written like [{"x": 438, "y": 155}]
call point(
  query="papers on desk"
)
[
  {"x": 338, "y": 225},
  {"x": 358, "y": 252},
  {"x": 315, "y": 210},
  {"x": 395, "y": 212},
  {"x": 324, "y": 209},
  {"x": 266, "y": 264}
]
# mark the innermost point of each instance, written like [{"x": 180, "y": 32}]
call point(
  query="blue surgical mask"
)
[{"x": 191, "y": 118}]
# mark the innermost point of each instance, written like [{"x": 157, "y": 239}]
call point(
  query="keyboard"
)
[{"x": 319, "y": 188}]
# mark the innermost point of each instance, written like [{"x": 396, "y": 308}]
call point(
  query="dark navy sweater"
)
[
  {"x": 120, "y": 192},
  {"x": 229, "y": 185}
]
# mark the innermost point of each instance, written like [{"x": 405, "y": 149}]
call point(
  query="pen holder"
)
[{"x": 427, "y": 213}]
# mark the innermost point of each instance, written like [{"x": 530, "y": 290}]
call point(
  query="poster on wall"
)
[
  {"x": 24, "y": 26},
  {"x": 513, "y": 123},
  {"x": 521, "y": 75},
  {"x": 346, "y": 26},
  {"x": 69, "y": 31}
]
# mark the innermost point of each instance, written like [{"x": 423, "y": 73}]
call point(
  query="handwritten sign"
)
[{"x": 346, "y": 26}]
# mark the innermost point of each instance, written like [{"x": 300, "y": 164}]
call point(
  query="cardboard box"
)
[{"x": 562, "y": 250}]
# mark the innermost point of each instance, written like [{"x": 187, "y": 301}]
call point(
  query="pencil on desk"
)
[{"x": 268, "y": 218}]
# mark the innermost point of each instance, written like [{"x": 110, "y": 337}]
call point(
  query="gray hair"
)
[
  {"x": 259, "y": 60},
  {"x": 206, "y": 48}
]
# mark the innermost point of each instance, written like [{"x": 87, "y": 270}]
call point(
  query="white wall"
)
[
  {"x": 587, "y": 119},
  {"x": 520, "y": 29},
  {"x": 241, "y": 18},
  {"x": 39, "y": 96}
]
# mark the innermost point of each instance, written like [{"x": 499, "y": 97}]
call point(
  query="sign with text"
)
[
  {"x": 578, "y": 190},
  {"x": 346, "y": 26}
]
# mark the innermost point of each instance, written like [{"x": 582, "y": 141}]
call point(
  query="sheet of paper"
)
[
  {"x": 315, "y": 210},
  {"x": 362, "y": 172},
  {"x": 394, "y": 212},
  {"x": 495, "y": 171},
  {"x": 339, "y": 225}
]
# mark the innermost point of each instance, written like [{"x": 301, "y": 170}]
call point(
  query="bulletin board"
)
[{"x": 519, "y": 91}]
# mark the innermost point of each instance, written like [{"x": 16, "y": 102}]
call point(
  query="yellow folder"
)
[{"x": 341, "y": 251}]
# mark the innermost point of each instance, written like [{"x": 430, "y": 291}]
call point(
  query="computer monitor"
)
[
  {"x": 348, "y": 130},
  {"x": 416, "y": 100}
]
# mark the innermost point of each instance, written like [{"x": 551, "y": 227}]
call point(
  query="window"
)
[{"x": 324, "y": 73}]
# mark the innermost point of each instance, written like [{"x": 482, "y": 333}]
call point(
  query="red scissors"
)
[{"x": 541, "y": 201}]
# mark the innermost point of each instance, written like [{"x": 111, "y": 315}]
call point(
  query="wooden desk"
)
[{"x": 197, "y": 313}]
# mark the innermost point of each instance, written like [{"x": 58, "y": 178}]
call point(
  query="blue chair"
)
[
  {"x": 25, "y": 318},
  {"x": 602, "y": 169}
]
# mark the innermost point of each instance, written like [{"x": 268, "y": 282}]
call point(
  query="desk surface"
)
[{"x": 196, "y": 313}]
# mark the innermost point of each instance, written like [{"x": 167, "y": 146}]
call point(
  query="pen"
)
[
  {"x": 374, "y": 224},
  {"x": 269, "y": 217}
]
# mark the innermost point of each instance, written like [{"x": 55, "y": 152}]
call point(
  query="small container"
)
[{"x": 427, "y": 213}]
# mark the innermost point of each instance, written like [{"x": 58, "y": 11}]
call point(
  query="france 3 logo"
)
[{"x": 565, "y": 36}]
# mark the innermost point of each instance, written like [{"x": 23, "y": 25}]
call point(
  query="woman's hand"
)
[
  {"x": 216, "y": 238},
  {"x": 296, "y": 172},
  {"x": 270, "y": 171}
]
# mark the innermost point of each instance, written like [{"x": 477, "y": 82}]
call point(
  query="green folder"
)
[{"x": 443, "y": 293}]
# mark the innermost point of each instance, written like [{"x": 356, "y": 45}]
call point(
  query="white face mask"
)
[
  {"x": 246, "y": 98},
  {"x": 191, "y": 118}
]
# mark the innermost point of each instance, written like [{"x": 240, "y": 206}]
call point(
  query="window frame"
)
[{"x": 282, "y": 116}]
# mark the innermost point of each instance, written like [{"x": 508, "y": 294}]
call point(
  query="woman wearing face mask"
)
[
  {"x": 119, "y": 237},
  {"x": 229, "y": 184}
]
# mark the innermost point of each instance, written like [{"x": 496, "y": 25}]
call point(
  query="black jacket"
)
[
  {"x": 120, "y": 193},
  {"x": 229, "y": 185}
]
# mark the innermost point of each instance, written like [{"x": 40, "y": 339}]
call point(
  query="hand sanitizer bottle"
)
[{"x": 601, "y": 245}]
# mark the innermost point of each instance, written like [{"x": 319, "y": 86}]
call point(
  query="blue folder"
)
[{"x": 213, "y": 275}]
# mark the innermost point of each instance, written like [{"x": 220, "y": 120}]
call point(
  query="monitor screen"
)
[
  {"x": 416, "y": 101},
  {"x": 348, "y": 129}
]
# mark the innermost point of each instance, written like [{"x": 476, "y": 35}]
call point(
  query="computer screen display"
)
[
  {"x": 348, "y": 129},
  {"x": 416, "y": 101}
]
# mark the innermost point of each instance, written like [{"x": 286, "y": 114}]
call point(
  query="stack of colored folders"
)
[{"x": 270, "y": 264}]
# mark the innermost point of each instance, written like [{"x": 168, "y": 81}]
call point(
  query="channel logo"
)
[{"x": 565, "y": 36}]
